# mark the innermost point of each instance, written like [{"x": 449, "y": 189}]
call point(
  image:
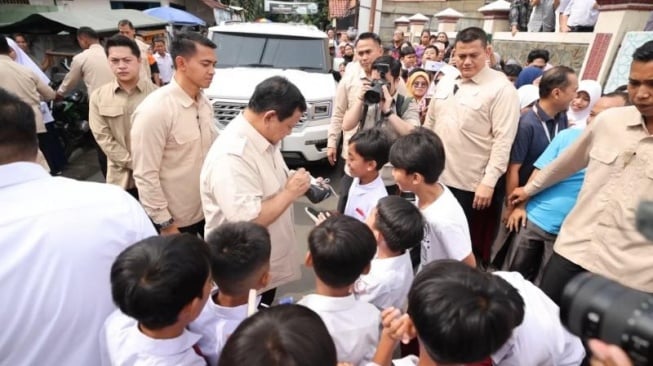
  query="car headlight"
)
[{"x": 319, "y": 110}]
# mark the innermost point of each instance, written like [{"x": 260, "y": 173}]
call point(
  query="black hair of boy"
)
[
  {"x": 406, "y": 50},
  {"x": 238, "y": 251},
  {"x": 461, "y": 314},
  {"x": 512, "y": 70},
  {"x": 422, "y": 152},
  {"x": 154, "y": 279},
  {"x": 283, "y": 335},
  {"x": 400, "y": 222},
  {"x": 372, "y": 144},
  {"x": 341, "y": 248}
]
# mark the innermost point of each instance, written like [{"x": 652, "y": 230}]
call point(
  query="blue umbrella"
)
[{"x": 174, "y": 16}]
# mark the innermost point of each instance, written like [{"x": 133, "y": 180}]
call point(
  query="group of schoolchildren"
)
[{"x": 185, "y": 301}]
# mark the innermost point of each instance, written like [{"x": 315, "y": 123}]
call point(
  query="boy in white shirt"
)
[
  {"x": 340, "y": 250},
  {"x": 240, "y": 261},
  {"x": 367, "y": 153},
  {"x": 418, "y": 161},
  {"x": 160, "y": 285},
  {"x": 397, "y": 226},
  {"x": 463, "y": 315}
]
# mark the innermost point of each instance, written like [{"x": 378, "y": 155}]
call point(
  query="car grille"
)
[{"x": 224, "y": 112}]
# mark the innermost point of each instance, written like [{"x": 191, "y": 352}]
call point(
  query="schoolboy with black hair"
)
[
  {"x": 397, "y": 226},
  {"x": 367, "y": 153},
  {"x": 240, "y": 261},
  {"x": 463, "y": 315},
  {"x": 418, "y": 160},
  {"x": 279, "y": 336},
  {"x": 340, "y": 250},
  {"x": 160, "y": 285}
]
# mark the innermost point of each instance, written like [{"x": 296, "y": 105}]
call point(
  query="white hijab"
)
[
  {"x": 24, "y": 59},
  {"x": 593, "y": 89}
]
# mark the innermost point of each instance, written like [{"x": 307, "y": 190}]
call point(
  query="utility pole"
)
[{"x": 370, "y": 27}]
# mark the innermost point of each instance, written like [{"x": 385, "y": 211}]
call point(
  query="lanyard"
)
[{"x": 546, "y": 128}]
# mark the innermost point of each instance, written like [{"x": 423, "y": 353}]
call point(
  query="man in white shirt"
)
[
  {"x": 59, "y": 239},
  {"x": 163, "y": 60},
  {"x": 579, "y": 16},
  {"x": 463, "y": 315}
]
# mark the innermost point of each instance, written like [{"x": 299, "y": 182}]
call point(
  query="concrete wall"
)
[{"x": 394, "y": 9}]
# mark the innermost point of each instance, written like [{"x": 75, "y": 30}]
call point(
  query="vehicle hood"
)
[{"x": 239, "y": 83}]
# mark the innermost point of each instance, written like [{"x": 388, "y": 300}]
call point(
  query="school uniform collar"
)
[
  {"x": 162, "y": 347},
  {"x": 232, "y": 313},
  {"x": 20, "y": 172},
  {"x": 329, "y": 304},
  {"x": 389, "y": 264}
]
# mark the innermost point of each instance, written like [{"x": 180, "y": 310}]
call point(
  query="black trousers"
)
[
  {"x": 196, "y": 229},
  {"x": 557, "y": 274},
  {"x": 582, "y": 28},
  {"x": 52, "y": 150}
]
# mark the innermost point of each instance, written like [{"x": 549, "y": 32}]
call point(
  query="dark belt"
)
[{"x": 582, "y": 28}]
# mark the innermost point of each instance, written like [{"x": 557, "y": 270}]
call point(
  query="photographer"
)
[{"x": 379, "y": 104}]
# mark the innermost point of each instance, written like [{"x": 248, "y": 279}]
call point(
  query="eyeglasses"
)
[{"x": 420, "y": 84}]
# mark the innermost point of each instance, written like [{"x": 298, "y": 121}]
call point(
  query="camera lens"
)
[{"x": 595, "y": 307}]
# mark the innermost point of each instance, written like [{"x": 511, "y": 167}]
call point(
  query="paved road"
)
[{"x": 84, "y": 166}]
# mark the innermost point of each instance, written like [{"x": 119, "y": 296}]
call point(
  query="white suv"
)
[{"x": 249, "y": 53}]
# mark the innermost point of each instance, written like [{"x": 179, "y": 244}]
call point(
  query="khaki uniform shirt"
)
[
  {"x": 110, "y": 111},
  {"x": 241, "y": 171},
  {"x": 92, "y": 66},
  {"x": 25, "y": 84},
  {"x": 170, "y": 137},
  {"x": 600, "y": 234},
  {"x": 477, "y": 120},
  {"x": 146, "y": 72}
]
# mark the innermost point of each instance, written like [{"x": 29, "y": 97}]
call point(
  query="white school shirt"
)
[
  {"x": 165, "y": 65},
  {"x": 59, "y": 238},
  {"x": 216, "y": 323},
  {"x": 363, "y": 198},
  {"x": 447, "y": 234},
  {"x": 353, "y": 325},
  {"x": 541, "y": 339},
  {"x": 388, "y": 282},
  {"x": 123, "y": 344}
]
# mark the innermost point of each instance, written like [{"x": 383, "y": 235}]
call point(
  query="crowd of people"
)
[{"x": 467, "y": 203}]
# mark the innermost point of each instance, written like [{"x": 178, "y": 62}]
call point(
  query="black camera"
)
[
  {"x": 595, "y": 307},
  {"x": 373, "y": 96},
  {"x": 319, "y": 190}
]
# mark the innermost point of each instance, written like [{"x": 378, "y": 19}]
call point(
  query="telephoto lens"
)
[{"x": 595, "y": 307}]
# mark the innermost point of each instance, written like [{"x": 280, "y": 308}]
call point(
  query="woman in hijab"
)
[
  {"x": 528, "y": 95},
  {"x": 588, "y": 93},
  {"x": 527, "y": 76},
  {"x": 48, "y": 142}
]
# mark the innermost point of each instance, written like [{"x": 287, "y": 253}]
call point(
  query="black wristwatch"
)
[
  {"x": 388, "y": 113},
  {"x": 165, "y": 224}
]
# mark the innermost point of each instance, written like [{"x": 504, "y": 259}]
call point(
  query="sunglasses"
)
[{"x": 420, "y": 84}]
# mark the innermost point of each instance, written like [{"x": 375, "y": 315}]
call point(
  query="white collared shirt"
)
[
  {"x": 363, "y": 198},
  {"x": 540, "y": 339},
  {"x": 353, "y": 325},
  {"x": 581, "y": 13},
  {"x": 59, "y": 239},
  {"x": 123, "y": 344},
  {"x": 165, "y": 65},
  {"x": 388, "y": 282},
  {"x": 216, "y": 323}
]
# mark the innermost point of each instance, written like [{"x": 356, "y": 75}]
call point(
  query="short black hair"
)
[
  {"x": 124, "y": 22},
  {"x": 152, "y": 280},
  {"x": 644, "y": 53},
  {"x": 461, "y": 314},
  {"x": 471, "y": 34},
  {"x": 18, "y": 141},
  {"x": 555, "y": 77},
  {"x": 512, "y": 70},
  {"x": 277, "y": 94},
  {"x": 400, "y": 222},
  {"x": 406, "y": 50},
  {"x": 341, "y": 248},
  {"x": 122, "y": 41},
  {"x": 422, "y": 152},
  {"x": 87, "y": 32},
  {"x": 619, "y": 94},
  {"x": 368, "y": 35},
  {"x": 238, "y": 251},
  {"x": 283, "y": 335},
  {"x": 159, "y": 39},
  {"x": 437, "y": 51},
  {"x": 4, "y": 46},
  {"x": 394, "y": 65},
  {"x": 185, "y": 44},
  {"x": 537, "y": 53},
  {"x": 372, "y": 144}
]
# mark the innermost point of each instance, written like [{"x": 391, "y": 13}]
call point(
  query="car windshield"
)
[{"x": 259, "y": 50}]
